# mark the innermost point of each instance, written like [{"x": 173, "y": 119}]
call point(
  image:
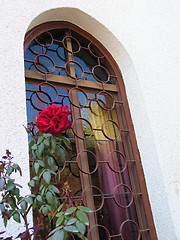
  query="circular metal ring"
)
[
  {"x": 41, "y": 44},
  {"x": 77, "y": 197},
  {"x": 70, "y": 96},
  {"x": 64, "y": 45},
  {"x": 91, "y": 51},
  {"x": 103, "y": 130},
  {"x": 71, "y": 168},
  {"x": 120, "y": 194},
  {"x": 91, "y": 108},
  {"x": 63, "y": 166},
  {"x": 108, "y": 237},
  {"x": 36, "y": 62},
  {"x": 42, "y": 51},
  {"x": 101, "y": 194},
  {"x": 73, "y": 124},
  {"x": 49, "y": 84},
  {"x": 32, "y": 66},
  {"x": 94, "y": 110},
  {"x": 109, "y": 162},
  {"x": 104, "y": 69},
  {"x": 73, "y": 62},
  {"x": 31, "y": 100},
  {"x": 79, "y": 164},
  {"x": 100, "y": 100},
  {"x": 57, "y": 52},
  {"x": 137, "y": 227}
]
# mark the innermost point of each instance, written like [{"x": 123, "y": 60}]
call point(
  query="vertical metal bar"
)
[{"x": 81, "y": 146}]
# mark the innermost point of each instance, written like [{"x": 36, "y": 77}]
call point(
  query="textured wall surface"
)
[{"x": 143, "y": 37}]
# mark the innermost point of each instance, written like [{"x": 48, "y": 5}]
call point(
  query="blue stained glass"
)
[
  {"x": 57, "y": 60},
  {"x": 36, "y": 103}
]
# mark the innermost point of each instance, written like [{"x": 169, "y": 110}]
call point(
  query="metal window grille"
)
[{"x": 66, "y": 66}]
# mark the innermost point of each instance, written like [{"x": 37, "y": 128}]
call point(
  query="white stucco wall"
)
[{"x": 143, "y": 37}]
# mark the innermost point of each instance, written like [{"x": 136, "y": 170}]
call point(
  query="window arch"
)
[{"x": 65, "y": 65}]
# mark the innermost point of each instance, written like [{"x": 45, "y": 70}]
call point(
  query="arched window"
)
[{"x": 66, "y": 66}]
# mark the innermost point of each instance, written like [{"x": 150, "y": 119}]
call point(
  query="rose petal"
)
[{"x": 54, "y": 119}]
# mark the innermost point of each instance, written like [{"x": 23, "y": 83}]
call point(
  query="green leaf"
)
[
  {"x": 15, "y": 166},
  {"x": 47, "y": 176},
  {"x": 11, "y": 212},
  {"x": 52, "y": 172},
  {"x": 51, "y": 161},
  {"x": 54, "y": 230},
  {"x": 45, "y": 210},
  {"x": 53, "y": 144},
  {"x": 20, "y": 200},
  {"x": 81, "y": 227},
  {"x": 40, "y": 149},
  {"x": 70, "y": 229},
  {"x": 59, "y": 214},
  {"x": 54, "y": 189},
  {"x": 71, "y": 221},
  {"x": 60, "y": 207},
  {"x": 9, "y": 170},
  {"x": 49, "y": 207},
  {"x": 41, "y": 186},
  {"x": 2, "y": 208},
  {"x": 52, "y": 164},
  {"x": 31, "y": 143},
  {"x": 36, "y": 167},
  {"x": 11, "y": 203},
  {"x": 29, "y": 200},
  {"x": 82, "y": 217},
  {"x": 32, "y": 195},
  {"x": 16, "y": 192},
  {"x": 41, "y": 163},
  {"x": 5, "y": 219},
  {"x": 37, "y": 154},
  {"x": 85, "y": 209},
  {"x": 20, "y": 210},
  {"x": 58, "y": 235},
  {"x": 47, "y": 135},
  {"x": 40, "y": 139},
  {"x": 41, "y": 173},
  {"x": 2, "y": 183},
  {"x": 10, "y": 185},
  {"x": 34, "y": 147},
  {"x": 23, "y": 205},
  {"x": 36, "y": 178},
  {"x": 49, "y": 197},
  {"x": 62, "y": 154},
  {"x": 16, "y": 217},
  {"x": 46, "y": 142},
  {"x": 59, "y": 220},
  {"x": 67, "y": 143},
  {"x": 39, "y": 198},
  {"x": 34, "y": 154},
  {"x": 31, "y": 183},
  {"x": 70, "y": 211}
]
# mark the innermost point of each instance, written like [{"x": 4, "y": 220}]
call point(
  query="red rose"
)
[{"x": 53, "y": 119}]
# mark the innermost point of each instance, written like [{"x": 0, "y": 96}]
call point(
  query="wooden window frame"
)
[{"x": 137, "y": 180}]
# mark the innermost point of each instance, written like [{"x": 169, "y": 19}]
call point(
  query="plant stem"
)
[{"x": 26, "y": 226}]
